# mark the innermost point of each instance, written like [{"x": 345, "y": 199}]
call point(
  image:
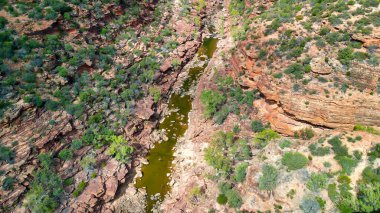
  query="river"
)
[{"x": 155, "y": 178}]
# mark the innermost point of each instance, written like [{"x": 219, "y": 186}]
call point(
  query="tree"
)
[
  {"x": 269, "y": 178},
  {"x": 294, "y": 160},
  {"x": 119, "y": 149},
  {"x": 211, "y": 100},
  {"x": 45, "y": 192},
  {"x": 368, "y": 197}
]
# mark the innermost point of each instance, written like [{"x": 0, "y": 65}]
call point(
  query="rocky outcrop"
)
[
  {"x": 28, "y": 134},
  {"x": 339, "y": 112}
]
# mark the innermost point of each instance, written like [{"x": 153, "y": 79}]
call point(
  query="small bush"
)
[
  {"x": 45, "y": 160},
  {"x": 294, "y": 160},
  {"x": 264, "y": 137},
  {"x": 374, "y": 153},
  {"x": 257, "y": 126},
  {"x": 8, "y": 183},
  {"x": 6, "y": 154},
  {"x": 345, "y": 55},
  {"x": 68, "y": 182},
  {"x": 305, "y": 134},
  {"x": 241, "y": 172},
  {"x": 80, "y": 188},
  {"x": 221, "y": 199},
  {"x": 76, "y": 144},
  {"x": 269, "y": 179},
  {"x": 297, "y": 70},
  {"x": 310, "y": 205},
  {"x": 368, "y": 129},
  {"x": 234, "y": 199},
  {"x": 65, "y": 154},
  {"x": 337, "y": 146},
  {"x": 317, "y": 182},
  {"x": 317, "y": 150},
  {"x": 88, "y": 162},
  {"x": 347, "y": 163},
  {"x": 285, "y": 143}
]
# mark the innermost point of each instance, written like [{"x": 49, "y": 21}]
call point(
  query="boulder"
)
[
  {"x": 111, "y": 188},
  {"x": 319, "y": 66}
]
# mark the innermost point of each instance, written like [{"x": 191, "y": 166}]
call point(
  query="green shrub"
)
[
  {"x": 45, "y": 160},
  {"x": 45, "y": 192},
  {"x": 3, "y": 22},
  {"x": 222, "y": 114},
  {"x": 294, "y": 160},
  {"x": 68, "y": 182},
  {"x": 327, "y": 164},
  {"x": 215, "y": 154},
  {"x": 155, "y": 93},
  {"x": 358, "y": 155},
  {"x": 241, "y": 172},
  {"x": 317, "y": 182},
  {"x": 6, "y": 154},
  {"x": 297, "y": 70},
  {"x": 264, "y": 137},
  {"x": 337, "y": 147},
  {"x": 236, "y": 129},
  {"x": 332, "y": 192},
  {"x": 305, "y": 134},
  {"x": 8, "y": 183},
  {"x": 317, "y": 150},
  {"x": 269, "y": 179},
  {"x": 240, "y": 150},
  {"x": 285, "y": 143},
  {"x": 65, "y": 154},
  {"x": 62, "y": 71},
  {"x": 120, "y": 149},
  {"x": 345, "y": 55},
  {"x": 368, "y": 129},
  {"x": 368, "y": 197},
  {"x": 371, "y": 175},
  {"x": 234, "y": 199},
  {"x": 88, "y": 162},
  {"x": 80, "y": 188},
  {"x": 76, "y": 144},
  {"x": 257, "y": 126},
  {"x": 211, "y": 100},
  {"x": 369, "y": 3},
  {"x": 347, "y": 163},
  {"x": 277, "y": 75},
  {"x": 221, "y": 199}
]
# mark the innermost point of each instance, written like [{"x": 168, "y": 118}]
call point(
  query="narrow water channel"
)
[{"x": 154, "y": 175}]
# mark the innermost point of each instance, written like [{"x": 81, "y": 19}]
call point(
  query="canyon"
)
[{"x": 190, "y": 106}]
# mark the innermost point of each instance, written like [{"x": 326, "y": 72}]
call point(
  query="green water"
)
[{"x": 160, "y": 158}]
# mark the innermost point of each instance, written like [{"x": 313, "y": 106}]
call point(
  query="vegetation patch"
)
[{"x": 294, "y": 160}]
